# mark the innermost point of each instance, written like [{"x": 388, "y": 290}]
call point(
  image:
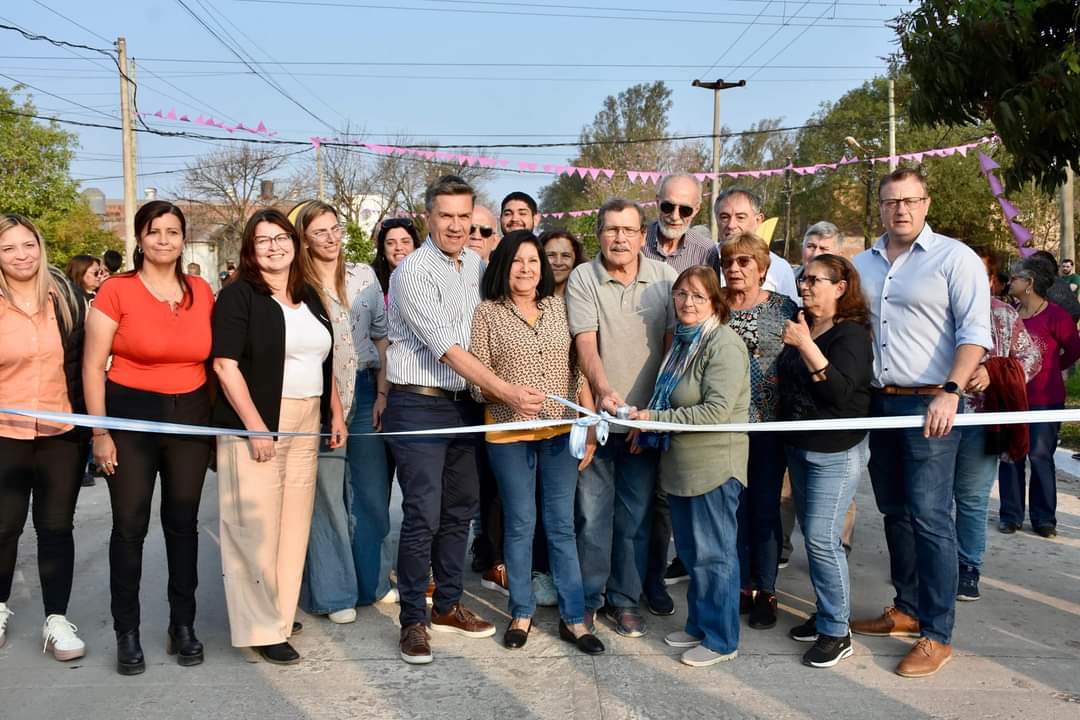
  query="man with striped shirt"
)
[{"x": 433, "y": 294}]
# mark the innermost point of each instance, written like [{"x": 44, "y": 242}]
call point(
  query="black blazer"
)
[{"x": 249, "y": 327}]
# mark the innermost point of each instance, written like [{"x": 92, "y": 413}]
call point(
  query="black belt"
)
[{"x": 455, "y": 395}]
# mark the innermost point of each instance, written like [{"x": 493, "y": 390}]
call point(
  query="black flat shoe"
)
[
  {"x": 278, "y": 654},
  {"x": 763, "y": 613},
  {"x": 183, "y": 643},
  {"x": 297, "y": 628},
  {"x": 1007, "y": 528},
  {"x": 129, "y": 654},
  {"x": 1046, "y": 531},
  {"x": 515, "y": 638},
  {"x": 587, "y": 643}
]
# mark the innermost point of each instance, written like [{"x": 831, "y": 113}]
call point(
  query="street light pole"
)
[{"x": 716, "y": 87}]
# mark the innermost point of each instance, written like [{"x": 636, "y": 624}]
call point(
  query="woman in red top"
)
[
  {"x": 155, "y": 322},
  {"x": 41, "y": 334}
]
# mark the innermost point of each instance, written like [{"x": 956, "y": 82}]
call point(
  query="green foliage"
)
[
  {"x": 75, "y": 231},
  {"x": 358, "y": 247},
  {"x": 1014, "y": 63}
]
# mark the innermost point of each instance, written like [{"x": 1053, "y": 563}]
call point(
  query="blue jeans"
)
[
  {"x": 823, "y": 486},
  {"x": 976, "y": 471},
  {"x": 760, "y": 533},
  {"x": 1042, "y": 492},
  {"x": 329, "y": 582},
  {"x": 913, "y": 479},
  {"x": 517, "y": 466},
  {"x": 706, "y": 531},
  {"x": 614, "y": 498},
  {"x": 368, "y": 497}
]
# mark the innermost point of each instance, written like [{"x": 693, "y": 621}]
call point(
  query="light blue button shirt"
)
[
  {"x": 367, "y": 312},
  {"x": 931, "y": 300}
]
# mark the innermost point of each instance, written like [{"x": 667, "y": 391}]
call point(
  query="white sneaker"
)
[
  {"x": 702, "y": 656},
  {"x": 61, "y": 640},
  {"x": 5, "y": 613},
  {"x": 343, "y": 617},
  {"x": 389, "y": 598},
  {"x": 681, "y": 639},
  {"x": 544, "y": 590}
]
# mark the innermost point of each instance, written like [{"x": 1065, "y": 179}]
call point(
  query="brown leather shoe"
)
[
  {"x": 892, "y": 622},
  {"x": 415, "y": 646},
  {"x": 461, "y": 621},
  {"x": 925, "y": 658},
  {"x": 495, "y": 578}
]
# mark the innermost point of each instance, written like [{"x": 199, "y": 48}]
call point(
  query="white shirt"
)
[
  {"x": 307, "y": 343},
  {"x": 931, "y": 300}
]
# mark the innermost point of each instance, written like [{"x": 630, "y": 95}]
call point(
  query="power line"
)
[
  {"x": 58, "y": 97},
  {"x": 789, "y": 44},
  {"x": 727, "y": 20},
  {"x": 76, "y": 24},
  {"x": 765, "y": 42},
  {"x": 736, "y": 42}
]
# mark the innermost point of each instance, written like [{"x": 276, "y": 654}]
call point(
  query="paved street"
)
[{"x": 1017, "y": 650}]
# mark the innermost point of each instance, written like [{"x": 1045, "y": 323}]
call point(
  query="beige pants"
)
[{"x": 265, "y": 519}]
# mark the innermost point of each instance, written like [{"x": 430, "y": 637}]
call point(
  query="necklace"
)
[
  {"x": 173, "y": 297},
  {"x": 1037, "y": 310}
]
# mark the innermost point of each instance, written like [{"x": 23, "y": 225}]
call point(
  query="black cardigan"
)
[
  {"x": 249, "y": 327},
  {"x": 71, "y": 336},
  {"x": 844, "y": 393}
]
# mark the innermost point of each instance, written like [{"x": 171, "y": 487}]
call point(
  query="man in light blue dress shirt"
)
[{"x": 930, "y": 310}]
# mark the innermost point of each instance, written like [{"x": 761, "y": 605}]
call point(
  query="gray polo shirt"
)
[{"x": 630, "y": 322}]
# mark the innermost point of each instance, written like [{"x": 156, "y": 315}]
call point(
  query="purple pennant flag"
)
[
  {"x": 1020, "y": 233},
  {"x": 185, "y": 118},
  {"x": 1008, "y": 208},
  {"x": 995, "y": 185},
  {"x": 986, "y": 163},
  {"x": 1027, "y": 252}
]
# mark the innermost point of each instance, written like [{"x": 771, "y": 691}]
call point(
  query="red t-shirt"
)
[{"x": 156, "y": 348}]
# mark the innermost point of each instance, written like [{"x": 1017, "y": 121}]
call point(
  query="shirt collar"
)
[
  {"x": 646, "y": 272},
  {"x": 925, "y": 240},
  {"x": 652, "y": 239},
  {"x": 435, "y": 250}
]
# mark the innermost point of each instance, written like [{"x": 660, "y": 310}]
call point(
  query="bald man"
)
[
  {"x": 672, "y": 239},
  {"x": 482, "y": 235}
]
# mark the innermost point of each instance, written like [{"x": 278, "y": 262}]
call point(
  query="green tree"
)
[
  {"x": 1015, "y": 63},
  {"x": 358, "y": 247},
  {"x": 35, "y": 160}
]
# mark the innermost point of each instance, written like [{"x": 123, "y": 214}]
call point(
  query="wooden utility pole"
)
[
  {"x": 1068, "y": 238},
  {"x": 716, "y": 87},
  {"x": 127, "y": 122},
  {"x": 892, "y": 125},
  {"x": 787, "y": 205}
]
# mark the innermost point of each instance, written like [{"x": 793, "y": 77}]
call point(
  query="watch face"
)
[{"x": 951, "y": 387}]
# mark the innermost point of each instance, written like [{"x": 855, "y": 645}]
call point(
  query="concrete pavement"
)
[{"x": 1017, "y": 651}]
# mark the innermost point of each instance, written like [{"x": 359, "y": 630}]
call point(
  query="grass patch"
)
[{"x": 1070, "y": 432}]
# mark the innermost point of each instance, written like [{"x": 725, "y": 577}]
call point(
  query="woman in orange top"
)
[
  {"x": 41, "y": 333},
  {"x": 155, "y": 322}
]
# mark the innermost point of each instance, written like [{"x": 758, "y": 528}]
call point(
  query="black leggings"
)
[
  {"x": 181, "y": 461},
  {"x": 50, "y": 469}
]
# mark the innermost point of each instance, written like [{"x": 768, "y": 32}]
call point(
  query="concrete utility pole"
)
[
  {"x": 1068, "y": 238},
  {"x": 320, "y": 171},
  {"x": 892, "y": 125},
  {"x": 788, "y": 190},
  {"x": 869, "y": 182},
  {"x": 716, "y": 87},
  {"x": 127, "y": 121}
]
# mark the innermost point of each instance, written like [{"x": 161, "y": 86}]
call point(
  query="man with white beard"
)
[{"x": 671, "y": 239}]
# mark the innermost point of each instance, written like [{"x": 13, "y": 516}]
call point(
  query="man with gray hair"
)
[
  {"x": 821, "y": 238},
  {"x": 671, "y": 239},
  {"x": 622, "y": 318},
  {"x": 738, "y": 210},
  {"x": 433, "y": 294}
]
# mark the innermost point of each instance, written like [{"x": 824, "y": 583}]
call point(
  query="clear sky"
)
[{"x": 450, "y": 71}]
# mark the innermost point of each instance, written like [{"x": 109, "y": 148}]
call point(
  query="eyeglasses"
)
[
  {"x": 742, "y": 261},
  {"x": 484, "y": 230},
  {"x": 667, "y": 208},
  {"x": 326, "y": 234},
  {"x": 909, "y": 202},
  {"x": 682, "y": 297},
  {"x": 264, "y": 241},
  {"x": 813, "y": 280},
  {"x": 610, "y": 233}
]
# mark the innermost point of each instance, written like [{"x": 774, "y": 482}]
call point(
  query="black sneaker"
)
[
  {"x": 828, "y": 651},
  {"x": 763, "y": 613},
  {"x": 676, "y": 572},
  {"x": 967, "y": 587},
  {"x": 783, "y": 563},
  {"x": 807, "y": 632},
  {"x": 1046, "y": 531},
  {"x": 659, "y": 601}
]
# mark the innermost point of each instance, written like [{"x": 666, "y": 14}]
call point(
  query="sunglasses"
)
[
  {"x": 484, "y": 230},
  {"x": 397, "y": 223},
  {"x": 668, "y": 208},
  {"x": 742, "y": 261}
]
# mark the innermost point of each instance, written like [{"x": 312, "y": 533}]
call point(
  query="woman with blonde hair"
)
[{"x": 41, "y": 336}]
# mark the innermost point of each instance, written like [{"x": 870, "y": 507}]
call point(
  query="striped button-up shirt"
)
[
  {"x": 432, "y": 300},
  {"x": 693, "y": 248}
]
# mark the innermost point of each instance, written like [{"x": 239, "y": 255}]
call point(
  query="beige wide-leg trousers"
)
[{"x": 265, "y": 520}]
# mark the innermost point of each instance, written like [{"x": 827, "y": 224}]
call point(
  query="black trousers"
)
[
  {"x": 439, "y": 487},
  {"x": 49, "y": 469},
  {"x": 488, "y": 543},
  {"x": 181, "y": 461}
]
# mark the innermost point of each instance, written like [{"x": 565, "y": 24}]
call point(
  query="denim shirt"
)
[{"x": 367, "y": 313}]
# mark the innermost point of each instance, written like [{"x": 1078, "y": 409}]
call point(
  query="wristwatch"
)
[{"x": 951, "y": 387}]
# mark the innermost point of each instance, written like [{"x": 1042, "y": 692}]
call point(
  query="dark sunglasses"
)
[
  {"x": 484, "y": 230},
  {"x": 667, "y": 208},
  {"x": 742, "y": 260},
  {"x": 397, "y": 223}
]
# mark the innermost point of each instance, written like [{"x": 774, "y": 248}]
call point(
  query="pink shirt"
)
[{"x": 31, "y": 371}]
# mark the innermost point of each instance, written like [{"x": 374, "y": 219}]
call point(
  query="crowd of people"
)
[{"x": 319, "y": 373}]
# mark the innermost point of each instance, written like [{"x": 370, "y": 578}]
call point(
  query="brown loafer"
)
[
  {"x": 415, "y": 646},
  {"x": 925, "y": 658},
  {"x": 460, "y": 621},
  {"x": 891, "y": 623}
]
